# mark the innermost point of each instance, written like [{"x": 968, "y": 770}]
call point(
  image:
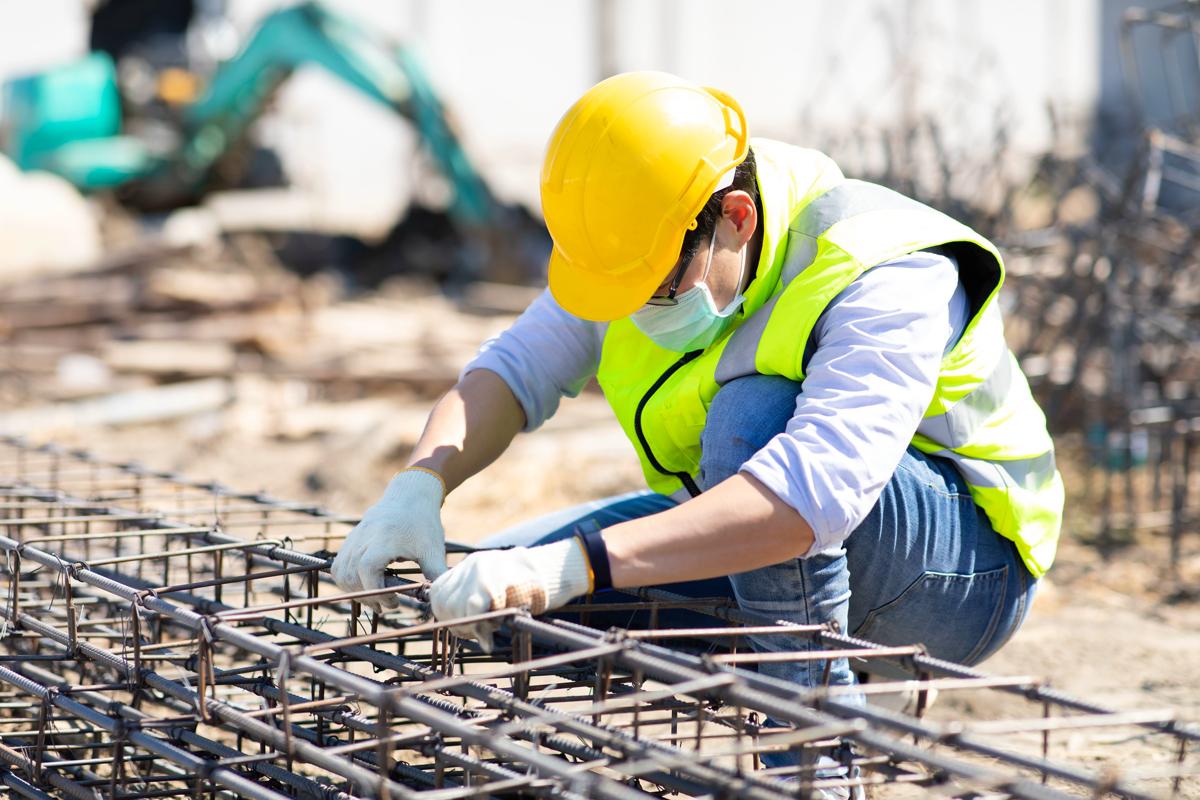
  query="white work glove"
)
[
  {"x": 538, "y": 578},
  {"x": 405, "y": 525}
]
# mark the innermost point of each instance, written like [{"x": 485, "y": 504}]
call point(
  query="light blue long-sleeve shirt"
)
[{"x": 875, "y": 355}]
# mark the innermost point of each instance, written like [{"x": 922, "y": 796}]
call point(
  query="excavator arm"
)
[{"x": 311, "y": 34}]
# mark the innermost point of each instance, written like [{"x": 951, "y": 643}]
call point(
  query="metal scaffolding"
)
[{"x": 164, "y": 637}]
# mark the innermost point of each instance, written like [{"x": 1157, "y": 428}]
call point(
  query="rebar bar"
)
[{"x": 153, "y": 649}]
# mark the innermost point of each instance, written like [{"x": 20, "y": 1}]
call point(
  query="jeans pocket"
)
[{"x": 954, "y": 616}]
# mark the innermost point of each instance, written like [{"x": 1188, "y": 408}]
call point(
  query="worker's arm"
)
[
  {"x": 546, "y": 355},
  {"x": 468, "y": 428},
  {"x": 736, "y": 526},
  {"x": 466, "y": 431},
  {"x": 513, "y": 384}
]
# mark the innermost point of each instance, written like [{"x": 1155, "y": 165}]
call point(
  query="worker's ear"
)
[{"x": 737, "y": 207}]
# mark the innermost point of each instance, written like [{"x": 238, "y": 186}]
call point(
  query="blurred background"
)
[{"x": 255, "y": 240}]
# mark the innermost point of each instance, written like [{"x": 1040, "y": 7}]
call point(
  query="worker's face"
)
[{"x": 734, "y": 232}]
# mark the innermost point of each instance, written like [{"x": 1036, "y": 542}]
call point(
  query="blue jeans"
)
[{"x": 924, "y": 566}]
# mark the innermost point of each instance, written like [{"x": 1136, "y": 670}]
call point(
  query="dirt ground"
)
[{"x": 1118, "y": 629}]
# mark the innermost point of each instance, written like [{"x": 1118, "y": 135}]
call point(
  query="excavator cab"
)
[{"x": 67, "y": 121}]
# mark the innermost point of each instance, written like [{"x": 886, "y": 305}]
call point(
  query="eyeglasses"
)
[{"x": 668, "y": 299}]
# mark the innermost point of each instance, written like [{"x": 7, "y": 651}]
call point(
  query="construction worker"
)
[{"x": 811, "y": 369}]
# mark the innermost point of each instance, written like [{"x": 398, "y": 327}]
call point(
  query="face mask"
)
[{"x": 694, "y": 322}]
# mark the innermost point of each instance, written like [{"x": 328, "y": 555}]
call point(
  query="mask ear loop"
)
[
  {"x": 741, "y": 273},
  {"x": 712, "y": 243},
  {"x": 737, "y": 292}
]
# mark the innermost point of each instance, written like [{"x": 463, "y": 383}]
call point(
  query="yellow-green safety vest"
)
[{"x": 821, "y": 232}]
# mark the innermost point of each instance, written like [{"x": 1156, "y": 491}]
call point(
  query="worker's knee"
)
[{"x": 744, "y": 415}]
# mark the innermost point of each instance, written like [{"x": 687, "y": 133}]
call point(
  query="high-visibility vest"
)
[{"x": 820, "y": 233}]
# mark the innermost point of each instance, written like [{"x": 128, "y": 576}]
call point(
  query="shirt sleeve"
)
[
  {"x": 545, "y": 355},
  {"x": 869, "y": 380}
]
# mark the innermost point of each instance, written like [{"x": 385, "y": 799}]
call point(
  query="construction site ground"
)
[{"x": 320, "y": 395}]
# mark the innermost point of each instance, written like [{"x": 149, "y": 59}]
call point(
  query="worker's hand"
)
[
  {"x": 405, "y": 525},
  {"x": 537, "y": 578}
]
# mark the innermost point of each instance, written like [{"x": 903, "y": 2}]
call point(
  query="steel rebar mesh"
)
[{"x": 170, "y": 638}]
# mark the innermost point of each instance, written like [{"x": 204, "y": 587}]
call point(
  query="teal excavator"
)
[{"x": 68, "y": 121}]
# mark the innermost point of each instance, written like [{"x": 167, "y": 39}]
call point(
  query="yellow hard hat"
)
[{"x": 627, "y": 170}]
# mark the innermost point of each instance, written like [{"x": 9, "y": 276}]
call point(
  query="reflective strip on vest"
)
[
  {"x": 737, "y": 359},
  {"x": 1030, "y": 474},
  {"x": 955, "y": 427},
  {"x": 848, "y": 199}
]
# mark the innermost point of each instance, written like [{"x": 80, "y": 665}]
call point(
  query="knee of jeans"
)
[{"x": 744, "y": 415}]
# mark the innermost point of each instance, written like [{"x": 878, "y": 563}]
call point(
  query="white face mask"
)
[{"x": 694, "y": 322}]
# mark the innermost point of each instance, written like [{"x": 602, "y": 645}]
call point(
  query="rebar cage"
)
[{"x": 164, "y": 637}]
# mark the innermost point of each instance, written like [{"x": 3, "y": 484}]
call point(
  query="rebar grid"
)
[{"x": 172, "y": 638}]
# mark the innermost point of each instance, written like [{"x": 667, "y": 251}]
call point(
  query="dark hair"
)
[{"x": 745, "y": 178}]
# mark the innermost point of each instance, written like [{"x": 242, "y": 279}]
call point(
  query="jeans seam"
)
[
  {"x": 808, "y": 618},
  {"x": 985, "y": 641},
  {"x": 1022, "y": 600},
  {"x": 803, "y": 591},
  {"x": 874, "y": 612},
  {"x": 1023, "y": 575}
]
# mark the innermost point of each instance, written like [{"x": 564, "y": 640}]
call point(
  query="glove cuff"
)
[
  {"x": 564, "y": 569},
  {"x": 414, "y": 482}
]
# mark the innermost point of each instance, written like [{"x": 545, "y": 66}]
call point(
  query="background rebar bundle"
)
[{"x": 168, "y": 638}]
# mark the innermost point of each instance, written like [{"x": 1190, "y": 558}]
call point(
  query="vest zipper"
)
[{"x": 683, "y": 477}]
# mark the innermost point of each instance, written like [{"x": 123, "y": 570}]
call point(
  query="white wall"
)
[
  {"x": 40, "y": 34},
  {"x": 509, "y": 69},
  {"x": 800, "y": 69}
]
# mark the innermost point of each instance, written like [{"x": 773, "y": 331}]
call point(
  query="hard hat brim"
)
[{"x": 597, "y": 296}]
